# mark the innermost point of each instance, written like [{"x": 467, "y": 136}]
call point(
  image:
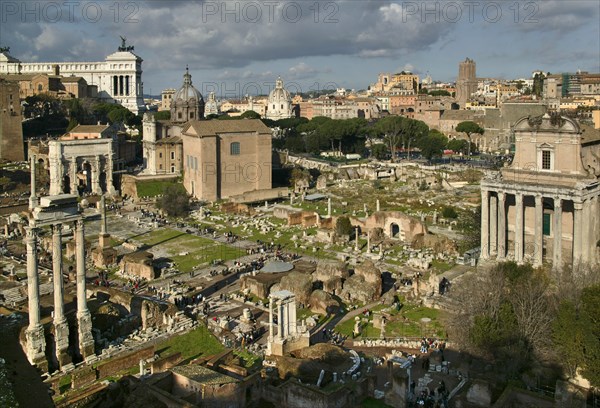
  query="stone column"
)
[
  {"x": 519, "y": 228},
  {"x": 493, "y": 225},
  {"x": 329, "y": 207},
  {"x": 61, "y": 326},
  {"x": 280, "y": 319},
  {"x": 577, "y": 232},
  {"x": 501, "y": 226},
  {"x": 539, "y": 231},
  {"x": 356, "y": 239},
  {"x": 110, "y": 189},
  {"x": 33, "y": 200},
  {"x": 557, "y": 244},
  {"x": 95, "y": 178},
  {"x": 84, "y": 318},
  {"x": 271, "y": 319},
  {"x": 73, "y": 175},
  {"x": 378, "y": 208},
  {"x": 36, "y": 342},
  {"x": 586, "y": 244},
  {"x": 485, "y": 230},
  {"x": 369, "y": 242},
  {"x": 292, "y": 319}
]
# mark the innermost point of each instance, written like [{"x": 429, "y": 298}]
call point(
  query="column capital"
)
[
  {"x": 501, "y": 195},
  {"x": 578, "y": 205},
  {"x": 519, "y": 197}
]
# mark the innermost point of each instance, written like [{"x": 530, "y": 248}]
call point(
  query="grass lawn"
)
[
  {"x": 152, "y": 188},
  {"x": 199, "y": 250},
  {"x": 441, "y": 266},
  {"x": 347, "y": 327},
  {"x": 247, "y": 358},
  {"x": 196, "y": 343}
]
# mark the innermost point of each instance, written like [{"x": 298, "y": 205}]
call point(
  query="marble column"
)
[
  {"x": 36, "y": 342},
  {"x": 485, "y": 230},
  {"x": 378, "y": 208},
  {"x": 539, "y": 231},
  {"x": 356, "y": 239},
  {"x": 557, "y": 244},
  {"x": 329, "y": 207},
  {"x": 271, "y": 301},
  {"x": 577, "y": 232},
  {"x": 96, "y": 176},
  {"x": 501, "y": 225},
  {"x": 61, "y": 326},
  {"x": 33, "y": 200},
  {"x": 73, "y": 175},
  {"x": 110, "y": 189},
  {"x": 292, "y": 319},
  {"x": 368, "y": 242},
  {"x": 493, "y": 225},
  {"x": 519, "y": 228},
  {"x": 280, "y": 316},
  {"x": 586, "y": 244},
  {"x": 84, "y": 318}
]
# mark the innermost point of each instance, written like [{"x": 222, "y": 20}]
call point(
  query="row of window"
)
[{"x": 172, "y": 155}]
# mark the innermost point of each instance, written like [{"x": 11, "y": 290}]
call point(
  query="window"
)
[
  {"x": 172, "y": 155},
  {"x": 172, "y": 169},
  {"x": 178, "y": 115},
  {"x": 160, "y": 155},
  {"x": 191, "y": 115},
  {"x": 546, "y": 162},
  {"x": 234, "y": 148}
]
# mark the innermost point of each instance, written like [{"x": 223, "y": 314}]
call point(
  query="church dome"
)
[
  {"x": 187, "y": 92},
  {"x": 279, "y": 94}
]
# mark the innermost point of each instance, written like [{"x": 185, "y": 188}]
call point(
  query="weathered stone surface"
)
[
  {"x": 327, "y": 270},
  {"x": 364, "y": 286},
  {"x": 322, "y": 302},
  {"x": 300, "y": 284},
  {"x": 437, "y": 243},
  {"x": 480, "y": 394}
]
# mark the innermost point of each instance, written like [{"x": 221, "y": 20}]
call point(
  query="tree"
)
[
  {"x": 433, "y": 144},
  {"x": 391, "y": 128},
  {"x": 174, "y": 201},
  {"x": 162, "y": 115},
  {"x": 590, "y": 317},
  {"x": 379, "y": 151},
  {"x": 459, "y": 145},
  {"x": 72, "y": 123},
  {"x": 343, "y": 226},
  {"x": 469, "y": 128},
  {"x": 250, "y": 114}
]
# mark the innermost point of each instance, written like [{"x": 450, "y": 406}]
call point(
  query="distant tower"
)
[
  {"x": 11, "y": 128},
  {"x": 187, "y": 103},
  {"x": 466, "y": 84}
]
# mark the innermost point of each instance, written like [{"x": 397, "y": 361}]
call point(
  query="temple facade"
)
[{"x": 544, "y": 207}]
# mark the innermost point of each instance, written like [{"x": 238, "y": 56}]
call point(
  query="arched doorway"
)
[
  {"x": 102, "y": 180},
  {"x": 85, "y": 181},
  {"x": 394, "y": 230},
  {"x": 66, "y": 187}
]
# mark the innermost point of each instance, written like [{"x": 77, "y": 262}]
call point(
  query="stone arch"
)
[
  {"x": 86, "y": 181},
  {"x": 102, "y": 181},
  {"x": 66, "y": 187},
  {"x": 394, "y": 230}
]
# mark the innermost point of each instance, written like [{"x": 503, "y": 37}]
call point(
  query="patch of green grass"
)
[
  {"x": 196, "y": 343},
  {"x": 247, "y": 358},
  {"x": 152, "y": 188},
  {"x": 441, "y": 266},
  {"x": 64, "y": 384}
]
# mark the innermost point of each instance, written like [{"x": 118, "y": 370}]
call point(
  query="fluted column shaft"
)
[
  {"x": 557, "y": 244},
  {"x": 57, "y": 272},
  {"x": 519, "y": 228},
  {"x": 539, "y": 231},
  {"x": 33, "y": 290}
]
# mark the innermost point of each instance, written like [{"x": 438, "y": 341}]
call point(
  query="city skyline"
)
[{"x": 312, "y": 45}]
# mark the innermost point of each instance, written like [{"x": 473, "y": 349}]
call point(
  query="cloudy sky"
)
[{"x": 239, "y": 47}]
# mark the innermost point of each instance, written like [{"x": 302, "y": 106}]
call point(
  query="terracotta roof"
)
[
  {"x": 89, "y": 128},
  {"x": 170, "y": 139},
  {"x": 203, "y": 375},
  {"x": 214, "y": 127}
]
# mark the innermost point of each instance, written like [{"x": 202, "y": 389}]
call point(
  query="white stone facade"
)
[
  {"x": 118, "y": 77},
  {"x": 279, "y": 104},
  {"x": 87, "y": 163}
]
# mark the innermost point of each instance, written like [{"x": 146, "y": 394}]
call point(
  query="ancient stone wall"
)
[{"x": 118, "y": 364}]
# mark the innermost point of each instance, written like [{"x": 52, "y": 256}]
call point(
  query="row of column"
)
[
  {"x": 286, "y": 318},
  {"x": 35, "y": 332},
  {"x": 121, "y": 85},
  {"x": 494, "y": 226}
]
